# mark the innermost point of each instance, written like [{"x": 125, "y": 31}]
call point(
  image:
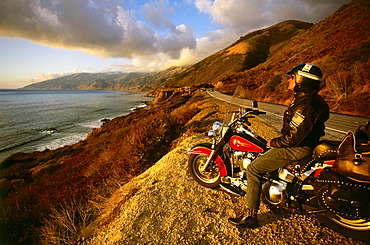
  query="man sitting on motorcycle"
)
[{"x": 303, "y": 125}]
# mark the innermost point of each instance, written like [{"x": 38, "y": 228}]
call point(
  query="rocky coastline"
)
[{"x": 161, "y": 205}]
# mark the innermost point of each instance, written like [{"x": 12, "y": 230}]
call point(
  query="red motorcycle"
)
[{"x": 309, "y": 186}]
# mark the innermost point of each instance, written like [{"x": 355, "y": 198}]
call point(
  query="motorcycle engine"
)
[
  {"x": 243, "y": 159},
  {"x": 274, "y": 192},
  {"x": 340, "y": 195}
]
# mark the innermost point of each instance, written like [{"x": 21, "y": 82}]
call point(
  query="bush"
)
[
  {"x": 121, "y": 149},
  {"x": 66, "y": 223},
  {"x": 273, "y": 83}
]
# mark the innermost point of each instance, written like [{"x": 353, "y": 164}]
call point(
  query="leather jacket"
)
[{"x": 304, "y": 121}]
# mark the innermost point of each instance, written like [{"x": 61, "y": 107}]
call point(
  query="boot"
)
[{"x": 248, "y": 221}]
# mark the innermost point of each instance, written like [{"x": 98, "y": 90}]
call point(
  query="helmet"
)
[{"x": 309, "y": 77}]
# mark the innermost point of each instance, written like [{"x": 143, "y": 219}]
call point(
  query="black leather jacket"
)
[{"x": 303, "y": 121}]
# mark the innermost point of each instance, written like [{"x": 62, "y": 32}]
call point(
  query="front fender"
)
[{"x": 206, "y": 149}]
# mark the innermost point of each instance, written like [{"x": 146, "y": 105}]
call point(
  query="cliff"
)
[
  {"x": 165, "y": 206},
  {"x": 87, "y": 193},
  {"x": 33, "y": 185}
]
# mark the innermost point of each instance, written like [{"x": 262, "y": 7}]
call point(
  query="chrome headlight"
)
[
  {"x": 211, "y": 133},
  {"x": 217, "y": 127}
]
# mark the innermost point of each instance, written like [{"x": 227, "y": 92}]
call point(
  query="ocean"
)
[{"x": 33, "y": 120}]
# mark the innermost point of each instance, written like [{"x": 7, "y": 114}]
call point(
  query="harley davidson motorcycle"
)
[{"x": 309, "y": 186}]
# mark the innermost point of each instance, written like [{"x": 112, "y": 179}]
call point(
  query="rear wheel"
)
[
  {"x": 210, "y": 177},
  {"x": 358, "y": 229}
]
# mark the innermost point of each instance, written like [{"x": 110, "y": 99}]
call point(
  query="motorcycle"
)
[{"x": 309, "y": 186}]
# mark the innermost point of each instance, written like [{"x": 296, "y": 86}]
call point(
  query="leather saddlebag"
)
[{"x": 353, "y": 159}]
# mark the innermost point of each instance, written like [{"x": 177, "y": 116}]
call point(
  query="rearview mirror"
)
[{"x": 254, "y": 104}]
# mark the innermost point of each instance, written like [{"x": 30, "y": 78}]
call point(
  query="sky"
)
[{"x": 45, "y": 39}]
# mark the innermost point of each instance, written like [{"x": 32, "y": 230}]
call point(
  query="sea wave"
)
[
  {"x": 60, "y": 142},
  {"x": 39, "y": 120}
]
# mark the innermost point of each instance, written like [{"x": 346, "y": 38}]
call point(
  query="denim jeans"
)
[{"x": 273, "y": 159}]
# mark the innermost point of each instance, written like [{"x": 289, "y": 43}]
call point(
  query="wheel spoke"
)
[
  {"x": 209, "y": 177},
  {"x": 211, "y": 174}
]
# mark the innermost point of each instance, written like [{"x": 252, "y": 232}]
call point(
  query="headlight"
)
[
  {"x": 211, "y": 133},
  {"x": 217, "y": 127}
]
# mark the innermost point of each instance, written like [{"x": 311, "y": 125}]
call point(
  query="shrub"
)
[
  {"x": 66, "y": 223},
  {"x": 273, "y": 83}
]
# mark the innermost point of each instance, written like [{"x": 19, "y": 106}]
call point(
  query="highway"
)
[{"x": 339, "y": 123}]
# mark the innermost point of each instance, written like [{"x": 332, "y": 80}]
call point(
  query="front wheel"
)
[
  {"x": 210, "y": 177},
  {"x": 358, "y": 229}
]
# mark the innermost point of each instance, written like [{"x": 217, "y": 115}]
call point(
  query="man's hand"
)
[{"x": 269, "y": 143}]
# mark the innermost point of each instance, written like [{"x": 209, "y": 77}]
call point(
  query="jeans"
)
[{"x": 273, "y": 159}]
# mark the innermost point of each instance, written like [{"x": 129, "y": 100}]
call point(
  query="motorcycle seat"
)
[
  {"x": 301, "y": 166},
  {"x": 326, "y": 150}
]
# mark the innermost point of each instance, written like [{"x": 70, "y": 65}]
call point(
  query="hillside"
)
[
  {"x": 87, "y": 193},
  {"x": 339, "y": 44},
  {"x": 107, "y": 81},
  {"x": 248, "y": 52},
  {"x": 83, "y": 81},
  {"x": 84, "y": 193},
  {"x": 32, "y": 185},
  {"x": 150, "y": 81},
  {"x": 165, "y": 206}
]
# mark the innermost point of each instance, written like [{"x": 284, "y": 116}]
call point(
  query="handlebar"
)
[
  {"x": 254, "y": 112},
  {"x": 244, "y": 117},
  {"x": 261, "y": 112}
]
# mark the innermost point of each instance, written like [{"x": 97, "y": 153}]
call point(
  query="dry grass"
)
[
  {"x": 66, "y": 223},
  {"x": 57, "y": 186}
]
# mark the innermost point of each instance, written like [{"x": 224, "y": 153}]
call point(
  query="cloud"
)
[
  {"x": 158, "y": 14},
  {"x": 237, "y": 18},
  {"x": 102, "y": 28},
  {"x": 254, "y": 14},
  {"x": 146, "y": 34}
]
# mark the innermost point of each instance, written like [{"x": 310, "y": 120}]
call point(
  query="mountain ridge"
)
[
  {"x": 339, "y": 45},
  {"x": 249, "y": 51},
  {"x": 245, "y": 53},
  {"x": 144, "y": 81}
]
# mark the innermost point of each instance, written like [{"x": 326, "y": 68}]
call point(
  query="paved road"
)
[{"x": 338, "y": 123}]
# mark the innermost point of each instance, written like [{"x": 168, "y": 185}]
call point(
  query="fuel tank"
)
[{"x": 244, "y": 142}]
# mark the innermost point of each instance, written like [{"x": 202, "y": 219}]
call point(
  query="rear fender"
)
[{"x": 206, "y": 149}]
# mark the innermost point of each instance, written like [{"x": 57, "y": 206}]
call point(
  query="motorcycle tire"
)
[
  {"x": 356, "y": 229},
  {"x": 210, "y": 177}
]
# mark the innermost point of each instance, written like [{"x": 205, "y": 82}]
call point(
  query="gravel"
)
[{"x": 164, "y": 205}]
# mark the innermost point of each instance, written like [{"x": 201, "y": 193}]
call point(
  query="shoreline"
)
[
  {"x": 97, "y": 173},
  {"x": 39, "y": 136}
]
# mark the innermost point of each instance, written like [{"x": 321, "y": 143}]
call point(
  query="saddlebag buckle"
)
[{"x": 358, "y": 159}]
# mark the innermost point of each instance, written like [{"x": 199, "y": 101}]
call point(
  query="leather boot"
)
[{"x": 249, "y": 220}]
